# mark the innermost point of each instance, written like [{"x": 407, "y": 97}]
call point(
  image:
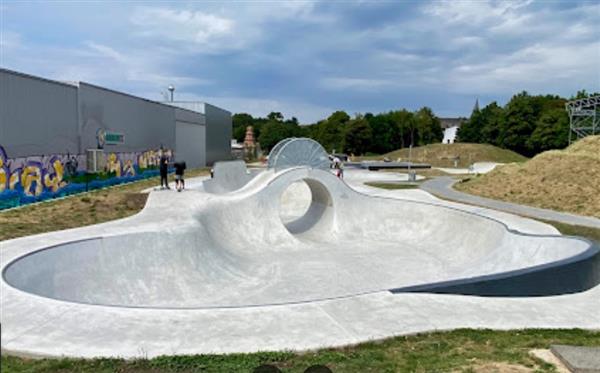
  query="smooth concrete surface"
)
[
  {"x": 292, "y": 260},
  {"x": 578, "y": 359},
  {"x": 228, "y": 176}
]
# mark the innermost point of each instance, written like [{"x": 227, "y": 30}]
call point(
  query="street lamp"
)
[{"x": 171, "y": 89}]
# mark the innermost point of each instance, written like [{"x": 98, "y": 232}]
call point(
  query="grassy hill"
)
[
  {"x": 443, "y": 155},
  {"x": 563, "y": 180}
]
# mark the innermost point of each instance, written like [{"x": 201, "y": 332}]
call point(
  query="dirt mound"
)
[
  {"x": 465, "y": 154},
  {"x": 563, "y": 180}
]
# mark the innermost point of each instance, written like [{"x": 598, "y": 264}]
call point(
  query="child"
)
[{"x": 179, "y": 170}]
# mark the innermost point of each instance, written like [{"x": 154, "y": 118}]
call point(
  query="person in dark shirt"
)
[
  {"x": 164, "y": 168},
  {"x": 179, "y": 181}
]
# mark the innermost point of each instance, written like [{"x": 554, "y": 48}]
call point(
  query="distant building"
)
[
  {"x": 451, "y": 122},
  {"x": 52, "y": 132},
  {"x": 237, "y": 149},
  {"x": 450, "y": 127},
  {"x": 47, "y": 119}
]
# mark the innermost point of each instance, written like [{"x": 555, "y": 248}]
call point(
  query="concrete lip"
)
[{"x": 258, "y": 269}]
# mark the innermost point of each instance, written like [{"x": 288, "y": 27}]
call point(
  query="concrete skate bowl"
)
[{"x": 239, "y": 252}]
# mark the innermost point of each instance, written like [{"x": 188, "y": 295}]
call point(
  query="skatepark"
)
[{"x": 289, "y": 258}]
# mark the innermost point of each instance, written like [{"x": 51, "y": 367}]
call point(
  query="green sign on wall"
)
[
  {"x": 109, "y": 138},
  {"x": 114, "y": 138}
]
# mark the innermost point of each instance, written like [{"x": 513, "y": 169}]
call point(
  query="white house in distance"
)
[{"x": 450, "y": 127}]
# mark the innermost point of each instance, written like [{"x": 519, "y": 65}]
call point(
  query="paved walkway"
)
[
  {"x": 578, "y": 358},
  {"x": 442, "y": 187}
]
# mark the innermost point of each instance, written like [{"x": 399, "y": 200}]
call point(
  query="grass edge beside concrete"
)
[{"x": 461, "y": 350}]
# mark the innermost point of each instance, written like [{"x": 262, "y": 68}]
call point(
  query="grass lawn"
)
[
  {"x": 575, "y": 230},
  {"x": 562, "y": 180},
  {"x": 456, "y": 351},
  {"x": 444, "y": 155},
  {"x": 391, "y": 186},
  {"x": 566, "y": 229}
]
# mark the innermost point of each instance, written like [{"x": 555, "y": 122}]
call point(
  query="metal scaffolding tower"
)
[{"x": 584, "y": 117}]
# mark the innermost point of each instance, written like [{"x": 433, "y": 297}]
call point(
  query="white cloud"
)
[
  {"x": 106, "y": 51},
  {"x": 306, "y": 112},
  {"x": 341, "y": 83},
  {"x": 181, "y": 25},
  {"x": 316, "y": 53},
  {"x": 467, "y": 41},
  {"x": 185, "y": 32},
  {"x": 481, "y": 12},
  {"x": 538, "y": 68}
]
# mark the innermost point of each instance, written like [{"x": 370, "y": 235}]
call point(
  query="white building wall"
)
[{"x": 450, "y": 135}]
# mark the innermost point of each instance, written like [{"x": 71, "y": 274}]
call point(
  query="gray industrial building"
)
[{"x": 40, "y": 117}]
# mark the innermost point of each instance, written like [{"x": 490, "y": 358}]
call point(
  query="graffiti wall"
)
[{"x": 35, "y": 178}]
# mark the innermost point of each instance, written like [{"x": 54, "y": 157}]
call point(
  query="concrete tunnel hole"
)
[{"x": 305, "y": 205}]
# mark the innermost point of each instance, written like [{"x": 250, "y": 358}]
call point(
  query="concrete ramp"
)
[
  {"x": 228, "y": 176},
  {"x": 235, "y": 250}
]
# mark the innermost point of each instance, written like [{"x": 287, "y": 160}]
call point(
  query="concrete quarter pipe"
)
[{"x": 238, "y": 251}]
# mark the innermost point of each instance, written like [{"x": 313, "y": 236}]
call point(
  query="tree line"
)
[
  {"x": 361, "y": 134},
  {"x": 526, "y": 124}
]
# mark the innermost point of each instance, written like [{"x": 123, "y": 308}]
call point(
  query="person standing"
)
[
  {"x": 336, "y": 166},
  {"x": 164, "y": 168},
  {"x": 179, "y": 170}
]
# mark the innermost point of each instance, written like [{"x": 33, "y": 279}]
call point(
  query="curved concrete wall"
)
[{"x": 234, "y": 250}]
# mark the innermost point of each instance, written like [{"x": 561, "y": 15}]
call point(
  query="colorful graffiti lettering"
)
[
  {"x": 148, "y": 159},
  {"x": 31, "y": 179},
  {"x": 15, "y": 177},
  {"x": 113, "y": 164},
  {"x": 151, "y": 158},
  {"x": 4, "y": 174},
  {"x": 39, "y": 177},
  {"x": 128, "y": 169},
  {"x": 53, "y": 176},
  {"x": 120, "y": 168}
]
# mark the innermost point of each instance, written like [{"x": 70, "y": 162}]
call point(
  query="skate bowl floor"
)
[{"x": 293, "y": 238}]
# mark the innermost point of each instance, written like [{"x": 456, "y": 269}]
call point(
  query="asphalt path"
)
[{"x": 442, "y": 187}]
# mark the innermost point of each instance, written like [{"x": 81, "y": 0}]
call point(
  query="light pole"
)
[{"x": 171, "y": 89}]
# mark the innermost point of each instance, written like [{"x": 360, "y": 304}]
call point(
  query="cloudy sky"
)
[{"x": 309, "y": 58}]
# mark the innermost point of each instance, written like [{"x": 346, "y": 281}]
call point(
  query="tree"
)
[
  {"x": 330, "y": 132},
  {"x": 522, "y": 117},
  {"x": 526, "y": 124},
  {"x": 339, "y": 117},
  {"x": 519, "y": 123},
  {"x": 358, "y": 136},
  {"x": 428, "y": 127},
  {"x": 551, "y": 131},
  {"x": 239, "y": 123},
  {"x": 275, "y": 116},
  {"x": 272, "y": 132},
  {"x": 491, "y": 120},
  {"x": 383, "y": 131},
  {"x": 403, "y": 121},
  {"x": 470, "y": 131}
]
